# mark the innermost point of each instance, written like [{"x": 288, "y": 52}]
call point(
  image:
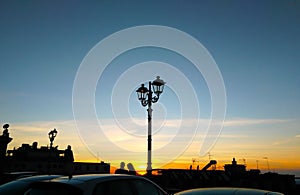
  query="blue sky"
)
[{"x": 254, "y": 43}]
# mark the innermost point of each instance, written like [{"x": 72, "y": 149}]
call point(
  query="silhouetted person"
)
[
  {"x": 69, "y": 154},
  {"x": 122, "y": 169},
  {"x": 131, "y": 169},
  {"x": 69, "y": 158}
]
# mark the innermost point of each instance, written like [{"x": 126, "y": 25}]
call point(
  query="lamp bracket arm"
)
[
  {"x": 154, "y": 99},
  {"x": 144, "y": 103}
]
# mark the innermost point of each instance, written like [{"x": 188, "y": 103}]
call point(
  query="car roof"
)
[
  {"x": 31, "y": 179},
  {"x": 89, "y": 177},
  {"x": 227, "y": 190},
  {"x": 38, "y": 178},
  {"x": 84, "y": 182},
  {"x": 20, "y": 173},
  {"x": 76, "y": 179},
  {"x": 10, "y": 176},
  {"x": 21, "y": 185}
]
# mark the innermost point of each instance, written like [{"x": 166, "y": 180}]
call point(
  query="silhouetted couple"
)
[{"x": 122, "y": 170}]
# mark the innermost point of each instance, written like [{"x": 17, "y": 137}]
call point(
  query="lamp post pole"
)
[
  {"x": 149, "y": 161},
  {"x": 146, "y": 97}
]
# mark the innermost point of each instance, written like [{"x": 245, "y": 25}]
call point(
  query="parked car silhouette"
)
[
  {"x": 226, "y": 191},
  {"x": 11, "y": 176},
  {"x": 20, "y": 186},
  {"x": 112, "y": 184}
]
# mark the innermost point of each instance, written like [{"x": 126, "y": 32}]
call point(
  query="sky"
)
[{"x": 231, "y": 70}]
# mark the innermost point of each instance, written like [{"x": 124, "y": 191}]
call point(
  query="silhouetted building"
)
[
  {"x": 234, "y": 167},
  {"x": 45, "y": 160}
]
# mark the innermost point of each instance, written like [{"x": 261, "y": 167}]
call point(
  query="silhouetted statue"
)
[
  {"x": 131, "y": 169},
  {"x": 5, "y": 131},
  {"x": 68, "y": 155},
  {"x": 122, "y": 169},
  {"x": 4, "y": 141}
]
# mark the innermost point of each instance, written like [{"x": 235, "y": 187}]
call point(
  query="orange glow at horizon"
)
[
  {"x": 278, "y": 165},
  {"x": 281, "y": 155}
]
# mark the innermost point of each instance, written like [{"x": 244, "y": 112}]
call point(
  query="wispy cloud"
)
[
  {"x": 251, "y": 121},
  {"x": 134, "y": 128}
]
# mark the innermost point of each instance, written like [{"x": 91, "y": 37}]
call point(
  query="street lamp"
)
[
  {"x": 145, "y": 96},
  {"x": 52, "y": 134}
]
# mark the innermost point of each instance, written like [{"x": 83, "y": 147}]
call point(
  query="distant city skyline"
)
[{"x": 255, "y": 45}]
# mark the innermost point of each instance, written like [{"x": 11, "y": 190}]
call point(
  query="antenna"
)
[
  {"x": 195, "y": 160},
  {"x": 213, "y": 166},
  {"x": 267, "y": 163},
  {"x": 209, "y": 156}
]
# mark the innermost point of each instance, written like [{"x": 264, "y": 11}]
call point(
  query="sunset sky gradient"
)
[{"x": 255, "y": 44}]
